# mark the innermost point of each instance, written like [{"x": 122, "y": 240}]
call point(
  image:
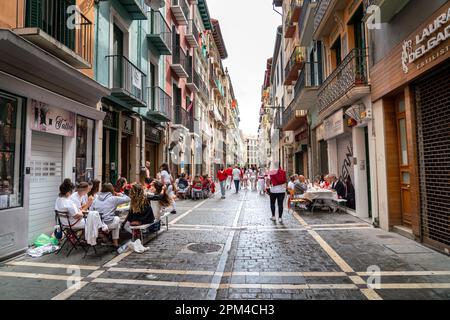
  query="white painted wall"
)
[
  {"x": 379, "y": 176},
  {"x": 360, "y": 173}
]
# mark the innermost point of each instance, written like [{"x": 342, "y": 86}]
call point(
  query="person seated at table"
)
[
  {"x": 122, "y": 187},
  {"x": 106, "y": 204},
  {"x": 80, "y": 197},
  {"x": 325, "y": 182},
  {"x": 197, "y": 187},
  {"x": 159, "y": 198},
  {"x": 141, "y": 211},
  {"x": 300, "y": 186},
  {"x": 64, "y": 204},
  {"x": 291, "y": 183},
  {"x": 93, "y": 193},
  {"x": 207, "y": 186},
  {"x": 182, "y": 186},
  {"x": 148, "y": 183},
  {"x": 337, "y": 185}
]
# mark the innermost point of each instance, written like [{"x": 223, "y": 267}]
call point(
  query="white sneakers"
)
[{"x": 275, "y": 219}]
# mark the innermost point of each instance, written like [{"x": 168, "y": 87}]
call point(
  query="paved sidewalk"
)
[{"x": 230, "y": 249}]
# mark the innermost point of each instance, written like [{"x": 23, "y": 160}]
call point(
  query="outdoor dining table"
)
[
  {"x": 322, "y": 198},
  {"x": 122, "y": 211}
]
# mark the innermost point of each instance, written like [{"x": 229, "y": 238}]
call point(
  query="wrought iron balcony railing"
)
[
  {"x": 321, "y": 10},
  {"x": 54, "y": 18},
  {"x": 192, "y": 34},
  {"x": 292, "y": 17},
  {"x": 290, "y": 114},
  {"x": 180, "y": 10},
  {"x": 212, "y": 76},
  {"x": 180, "y": 62},
  {"x": 203, "y": 89},
  {"x": 193, "y": 82},
  {"x": 308, "y": 77},
  {"x": 183, "y": 118},
  {"x": 159, "y": 104},
  {"x": 294, "y": 64},
  {"x": 350, "y": 73},
  {"x": 301, "y": 21},
  {"x": 126, "y": 80},
  {"x": 160, "y": 34},
  {"x": 135, "y": 8}
]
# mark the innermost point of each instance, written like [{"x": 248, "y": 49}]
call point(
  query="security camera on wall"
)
[{"x": 155, "y": 4}]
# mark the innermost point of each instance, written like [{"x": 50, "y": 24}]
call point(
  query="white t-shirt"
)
[
  {"x": 165, "y": 176},
  {"x": 278, "y": 189},
  {"x": 79, "y": 201},
  {"x": 236, "y": 174},
  {"x": 291, "y": 185},
  {"x": 68, "y": 206}
]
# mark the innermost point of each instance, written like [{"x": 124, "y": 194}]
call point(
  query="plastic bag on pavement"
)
[
  {"x": 124, "y": 248},
  {"x": 44, "y": 239},
  {"x": 138, "y": 247},
  {"x": 40, "y": 251}
]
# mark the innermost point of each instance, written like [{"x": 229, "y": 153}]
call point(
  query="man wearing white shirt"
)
[{"x": 236, "y": 177}]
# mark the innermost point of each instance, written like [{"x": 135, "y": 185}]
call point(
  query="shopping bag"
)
[{"x": 278, "y": 177}]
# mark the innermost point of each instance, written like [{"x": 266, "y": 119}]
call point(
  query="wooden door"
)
[{"x": 404, "y": 165}]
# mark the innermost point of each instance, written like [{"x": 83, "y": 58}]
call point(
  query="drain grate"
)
[{"x": 204, "y": 247}]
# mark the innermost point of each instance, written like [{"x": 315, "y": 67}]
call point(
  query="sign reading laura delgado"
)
[
  {"x": 430, "y": 38},
  {"x": 52, "y": 120}
]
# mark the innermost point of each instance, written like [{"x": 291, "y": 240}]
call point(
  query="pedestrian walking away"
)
[
  {"x": 222, "y": 177},
  {"x": 277, "y": 193},
  {"x": 237, "y": 178}
]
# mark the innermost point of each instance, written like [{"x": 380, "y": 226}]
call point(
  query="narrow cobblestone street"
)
[{"x": 242, "y": 254}]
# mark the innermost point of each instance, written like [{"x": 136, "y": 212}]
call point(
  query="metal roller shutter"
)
[
  {"x": 433, "y": 125},
  {"x": 46, "y": 176}
]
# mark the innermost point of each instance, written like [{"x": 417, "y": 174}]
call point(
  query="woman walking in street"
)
[{"x": 277, "y": 193}]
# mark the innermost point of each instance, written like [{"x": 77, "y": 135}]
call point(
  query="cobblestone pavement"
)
[{"x": 230, "y": 249}]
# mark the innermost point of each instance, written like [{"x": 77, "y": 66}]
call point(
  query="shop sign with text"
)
[{"x": 52, "y": 120}]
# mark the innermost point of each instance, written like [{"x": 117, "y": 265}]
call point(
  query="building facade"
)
[
  {"x": 96, "y": 90},
  {"x": 365, "y": 99}
]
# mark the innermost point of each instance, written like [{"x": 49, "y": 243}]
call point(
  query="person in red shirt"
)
[
  {"x": 229, "y": 173},
  {"x": 222, "y": 176}
]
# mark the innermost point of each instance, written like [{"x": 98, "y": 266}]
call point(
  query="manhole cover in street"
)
[{"x": 204, "y": 247}]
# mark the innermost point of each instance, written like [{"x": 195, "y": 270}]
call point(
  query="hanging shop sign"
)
[
  {"x": 422, "y": 45},
  {"x": 152, "y": 134},
  {"x": 52, "y": 120},
  {"x": 128, "y": 125},
  {"x": 334, "y": 125}
]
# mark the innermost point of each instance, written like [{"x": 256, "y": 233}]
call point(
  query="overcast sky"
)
[{"x": 249, "y": 30}]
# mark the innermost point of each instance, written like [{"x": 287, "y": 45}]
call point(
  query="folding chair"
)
[{"x": 70, "y": 235}]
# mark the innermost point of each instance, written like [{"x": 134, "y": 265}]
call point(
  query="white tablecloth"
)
[{"x": 320, "y": 194}]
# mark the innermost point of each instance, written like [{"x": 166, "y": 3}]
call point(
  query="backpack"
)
[{"x": 278, "y": 178}]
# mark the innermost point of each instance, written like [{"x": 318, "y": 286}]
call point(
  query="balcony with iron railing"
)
[
  {"x": 180, "y": 62},
  {"x": 181, "y": 12},
  {"x": 203, "y": 90},
  {"x": 293, "y": 117},
  {"x": 193, "y": 82},
  {"x": 212, "y": 76},
  {"x": 135, "y": 9},
  {"x": 320, "y": 13},
  {"x": 346, "y": 84},
  {"x": 294, "y": 65},
  {"x": 160, "y": 35},
  {"x": 306, "y": 22},
  {"x": 126, "y": 81},
  {"x": 183, "y": 118},
  {"x": 307, "y": 85},
  {"x": 159, "y": 105},
  {"x": 192, "y": 34},
  {"x": 292, "y": 17},
  {"x": 47, "y": 24}
]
